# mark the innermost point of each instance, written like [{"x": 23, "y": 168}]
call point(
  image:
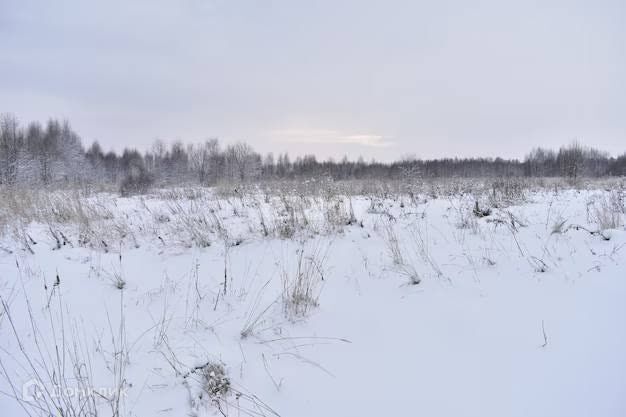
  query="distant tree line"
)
[{"x": 53, "y": 154}]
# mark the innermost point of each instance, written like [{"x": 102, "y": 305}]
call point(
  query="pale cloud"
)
[{"x": 327, "y": 136}]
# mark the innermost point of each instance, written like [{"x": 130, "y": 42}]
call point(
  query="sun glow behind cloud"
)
[{"x": 328, "y": 136}]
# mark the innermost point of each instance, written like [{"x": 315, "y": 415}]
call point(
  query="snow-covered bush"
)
[
  {"x": 290, "y": 216},
  {"x": 216, "y": 382},
  {"x": 138, "y": 181}
]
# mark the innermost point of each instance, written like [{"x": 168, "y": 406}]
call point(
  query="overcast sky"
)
[{"x": 373, "y": 78}]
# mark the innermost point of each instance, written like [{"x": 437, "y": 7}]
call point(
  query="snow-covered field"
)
[{"x": 185, "y": 302}]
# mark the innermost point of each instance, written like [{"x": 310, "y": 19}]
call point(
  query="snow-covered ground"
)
[{"x": 316, "y": 306}]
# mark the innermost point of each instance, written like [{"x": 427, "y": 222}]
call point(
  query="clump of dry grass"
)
[
  {"x": 190, "y": 218},
  {"x": 62, "y": 383},
  {"x": 466, "y": 219},
  {"x": 339, "y": 213},
  {"x": 302, "y": 286},
  {"x": 606, "y": 210},
  {"x": 392, "y": 242},
  {"x": 395, "y": 252}
]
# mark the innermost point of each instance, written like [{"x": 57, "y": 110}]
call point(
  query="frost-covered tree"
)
[
  {"x": 570, "y": 160},
  {"x": 11, "y": 144},
  {"x": 242, "y": 162}
]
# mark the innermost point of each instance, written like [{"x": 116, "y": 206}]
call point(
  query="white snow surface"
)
[{"x": 468, "y": 340}]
